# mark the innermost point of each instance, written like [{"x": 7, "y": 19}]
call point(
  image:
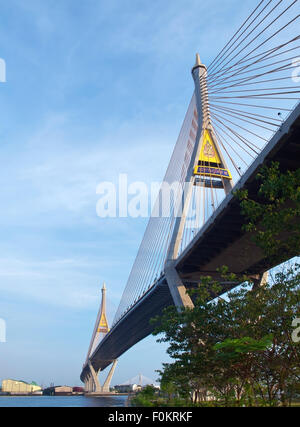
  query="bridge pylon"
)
[
  {"x": 91, "y": 380},
  {"x": 207, "y": 168}
]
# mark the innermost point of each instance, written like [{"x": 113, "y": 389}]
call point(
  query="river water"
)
[{"x": 62, "y": 401}]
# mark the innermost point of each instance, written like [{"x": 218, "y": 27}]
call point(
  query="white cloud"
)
[{"x": 71, "y": 283}]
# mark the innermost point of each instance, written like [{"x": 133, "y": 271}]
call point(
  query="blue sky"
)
[{"x": 94, "y": 89}]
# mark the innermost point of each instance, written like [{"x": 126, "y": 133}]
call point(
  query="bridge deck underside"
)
[{"x": 220, "y": 242}]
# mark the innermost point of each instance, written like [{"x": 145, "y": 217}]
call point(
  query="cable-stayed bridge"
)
[{"x": 244, "y": 113}]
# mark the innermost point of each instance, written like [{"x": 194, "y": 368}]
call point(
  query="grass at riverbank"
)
[{"x": 149, "y": 397}]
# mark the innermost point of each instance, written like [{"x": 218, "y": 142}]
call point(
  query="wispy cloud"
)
[{"x": 94, "y": 89}]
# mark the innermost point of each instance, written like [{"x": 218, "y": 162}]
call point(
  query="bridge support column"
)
[
  {"x": 91, "y": 385},
  {"x": 106, "y": 385},
  {"x": 177, "y": 288},
  {"x": 87, "y": 383},
  {"x": 96, "y": 387}
]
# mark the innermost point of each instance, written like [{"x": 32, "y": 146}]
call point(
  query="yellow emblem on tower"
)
[
  {"x": 208, "y": 152},
  {"x": 103, "y": 324},
  {"x": 209, "y": 163}
]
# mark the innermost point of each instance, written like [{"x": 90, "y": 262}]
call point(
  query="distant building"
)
[
  {"x": 19, "y": 387},
  {"x": 127, "y": 388},
  {"x": 58, "y": 391},
  {"x": 79, "y": 390},
  {"x": 155, "y": 386},
  {"x": 135, "y": 384},
  {"x": 37, "y": 393}
]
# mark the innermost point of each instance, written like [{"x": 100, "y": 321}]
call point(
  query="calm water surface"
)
[{"x": 62, "y": 401}]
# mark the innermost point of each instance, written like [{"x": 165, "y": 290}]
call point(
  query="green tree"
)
[
  {"x": 240, "y": 349},
  {"x": 273, "y": 217},
  {"x": 145, "y": 397}
]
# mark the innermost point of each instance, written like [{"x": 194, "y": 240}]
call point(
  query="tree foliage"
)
[
  {"x": 239, "y": 350},
  {"x": 274, "y": 216},
  {"x": 235, "y": 350}
]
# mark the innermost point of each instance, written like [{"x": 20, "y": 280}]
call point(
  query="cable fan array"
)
[
  {"x": 252, "y": 85},
  {"x": 149, "y": 263}
]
